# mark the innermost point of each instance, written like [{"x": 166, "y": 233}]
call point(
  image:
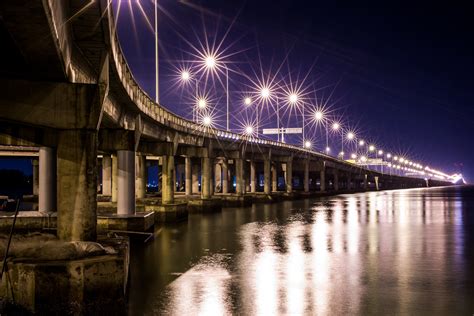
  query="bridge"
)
[
  {"x": 69, "y": 102},
  {"x": 69, "y": 97}
]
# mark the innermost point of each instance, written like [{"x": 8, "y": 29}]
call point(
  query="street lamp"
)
[
  {"x": 319, "y": 118},
  {"x": 247, "y": 101},
  {"x": 265, "y": 94},
  {"x": 207, "y": 121},
  {"x": 307, "y": 144}
]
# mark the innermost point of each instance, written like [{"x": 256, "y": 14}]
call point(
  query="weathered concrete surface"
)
[
  {"x": 54, "y": 277},
  {"x": 168, "y": 213},
  {"x": 205, "y": 205},
  {"x": 138, "y": 222}
]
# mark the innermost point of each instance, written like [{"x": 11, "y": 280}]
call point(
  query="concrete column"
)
[
  {"x": 376, "y": 183},
  {"x": 126, "y": 182},
  {"x": 77, "y": 185},
  {"x": 365, "y": 182},
  {"x": 47, "y": 180},
  {"x": 225, "y": 177},
  {"x": 336, "y": 180},
  {"x": 253, "y": 180},
  {"x": 168, "y": 178},
  {"x": 195, "y": 179},
  {"x": 106, "y": 175},
  {"x": 188, "y": 182},
  {"x": 322, "y": 180},
  {"x": 239, "y": 175},
  {"x": 289, "y": 176},
  {"x": 266, "y": 176},
  {"x": 349, "y": 181},
  {"x": 35, "y": 164},
  {"x": 114, "y": 178},
  {"x": 306, "y": 176},
  {"x": 140, "y": 176},
  {"x": 211, "y": 179},
  {"x": 205, "y": 178},
  {"x": 274, "y": 178}
]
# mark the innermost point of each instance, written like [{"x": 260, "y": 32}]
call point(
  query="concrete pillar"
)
[
  {"x": 35, "y": 164},
  {"x": 349, "y": 181},
  {"x": 168, "y": 178},
  {"x": 239, "y": 174},
  {"x": 218, "y": 177},
  {"x": 225, "y": 177},
  {"x": 205, "y": 178},
  {"x": 77, "y": 175},
  {"x": 266, "y": 176},
  {"x": 322, "y": 180},
  {"x": 376, "y": 182},
  {"x": 47, "y": 180},
  {"x": 195, "y": 179},
  {"x": 336, "y": 180},
  {"x": 188, "y": 182},
  {"x": 126, "y": 182},
  {"x": 140, "y": 176},
  {"x": 274, "y": 178},
  {"x": 289, "y": 176},
  {"x": 211, "y": 179},
  {"x": 306, "y": 176},
  {"x": 365, "y": 182},
  {"x": 114, "y": 178},
  {"x": 253, "y": 180},
  {"x": 106, "y": 175}
]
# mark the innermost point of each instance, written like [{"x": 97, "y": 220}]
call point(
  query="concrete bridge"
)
[{"x": 69, "y": 97}]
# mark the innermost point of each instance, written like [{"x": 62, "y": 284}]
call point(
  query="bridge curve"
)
[{"x": 91, "y": 104}]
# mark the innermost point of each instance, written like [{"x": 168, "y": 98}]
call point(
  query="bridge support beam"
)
[
  {"x": 205, "y": 178},
  {"x": 274, "y": 178},
  {"x": 167, "y": 176},
  {"x": 106, "y": 175},
  {"x": 376, "y": 178},
  {"x": 114, "y": 192},
  {"x": 140, "y": 176},
  {"x": 35, "y": 165},
  {"x": 225, "y": 177},
  {"x": 289, "y": 176},
  {"x": 322, "y": 180},
  {"x": 239, "y": 174},
  {"x": 336, "y": 180},
  {"x": 126, "y": 182},
  {"x": 77, "y": 185},
  {"x": 253, "y": 180},
  {"x": 306, "y": 176},
  {"x": 47, "y": 180},
  {"x": 188, "y": 181},
  {"x": 266, "y": 176},
  {"x": 195, "y": 179}
]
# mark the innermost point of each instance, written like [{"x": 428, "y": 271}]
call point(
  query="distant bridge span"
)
[{"x": 67, "y": 89}]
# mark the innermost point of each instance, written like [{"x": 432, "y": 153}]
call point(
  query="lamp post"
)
[
  {"x": 211, "y": 62},
  {"x": 157, "y": 95}
]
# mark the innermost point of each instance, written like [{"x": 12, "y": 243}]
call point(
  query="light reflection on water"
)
[{"x": 393, "y": 252}]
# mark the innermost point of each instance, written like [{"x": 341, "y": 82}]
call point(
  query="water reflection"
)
[{"x": 396, "y": 252}]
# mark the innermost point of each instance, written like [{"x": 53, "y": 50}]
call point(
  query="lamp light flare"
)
[
  {"x": 247, "y": 101},
  {"x": 210, "y": 62},
  {"x": 307, "y": 144},
  {"x": 389, "y": 155},
  {"x": 318, "y": 115},
  {"x": 328, "y": 149},
  {"x": 335, "y": 126},
  {"x": 371, "y": 148},
  {"x": 353, "y": 156},
  {"x": 207, "y": 120},
  {"x": 380, "y": 152},
  {"x": 249, "y": 130},
  {"x": 293, "y": 98},
  {"x": 185, "y": 75},
  {"x": 202, "y": 103},
  {"x": 363, "y": 158},
  {"x": 361, "y": 142},
  {"x": 265, "y": 93},
  {"x": 350, "y": 136}
]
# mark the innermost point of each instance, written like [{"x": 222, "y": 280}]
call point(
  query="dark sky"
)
[{"x": 401, "y": 73}]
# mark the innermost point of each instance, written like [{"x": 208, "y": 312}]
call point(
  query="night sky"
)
[{"x": 400, "y": 74}]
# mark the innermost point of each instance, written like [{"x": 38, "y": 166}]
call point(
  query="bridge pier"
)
[
  {"x": 376, "y": 179},
  {"x": 322, "y": 180},
  {"x": 336, "y": 180},
  {"x": 167, "y": 176},
  {"x": 267, "y": 176},
  {"x": 114, "y": 192},
  {"x": 195, "y": 179},
  {"x": 140, "y": 176},
  {"x": 205, "y": 178},
  {"x": 274, "y": 177},
  {"x": 225, "y": 176},
  {"x": 35, "y": 174},
  {"x": 306, "y": 176},
  {"x": 77, "y": 184},
  {"x": 289, "y": 176},
  {"x": 106, "y": 175},
  {"x": 126, "y": 182},
  {"x": 47, "y": 180},
  {"x": 253, "y": 181},
  {"x": 239, "y": 174},
  {"x": 188, "y": 181}
]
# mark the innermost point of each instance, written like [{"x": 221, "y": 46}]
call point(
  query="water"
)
[{"x": 392, "y": 252}]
